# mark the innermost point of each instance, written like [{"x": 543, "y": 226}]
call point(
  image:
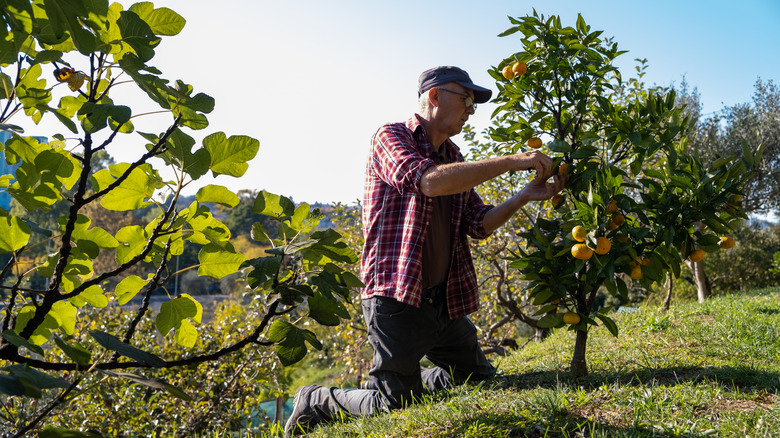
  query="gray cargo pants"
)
[{"x": 401, "y": 336}]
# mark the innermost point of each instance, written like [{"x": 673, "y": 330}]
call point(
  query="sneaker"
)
[{"x": 302, "y": 416}]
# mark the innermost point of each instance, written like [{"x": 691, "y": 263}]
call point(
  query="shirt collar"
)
[{"x": 426, "y": 149}]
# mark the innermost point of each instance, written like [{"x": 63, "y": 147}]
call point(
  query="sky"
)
[{"x": 313, "y": 80}]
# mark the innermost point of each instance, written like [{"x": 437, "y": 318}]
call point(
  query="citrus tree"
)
[
  {"x": 636, "y": 204},
  {"x": 65, "y": 61}
]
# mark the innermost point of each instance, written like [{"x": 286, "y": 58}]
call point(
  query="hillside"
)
[{"x": 708, "y": 369}]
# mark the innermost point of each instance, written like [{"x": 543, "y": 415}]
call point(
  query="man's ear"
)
[{"x": 433, "y": 97}]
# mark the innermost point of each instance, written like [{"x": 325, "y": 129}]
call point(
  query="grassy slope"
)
[{"x": 708, "y": 369}]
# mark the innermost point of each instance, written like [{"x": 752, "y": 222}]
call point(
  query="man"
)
[{"x": 419, "y": 208}]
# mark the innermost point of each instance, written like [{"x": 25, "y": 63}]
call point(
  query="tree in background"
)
[
  {"x": 634, "y": 196},
  {"x": 89, "y": 49},
  {"x": 727, "y": 132}
]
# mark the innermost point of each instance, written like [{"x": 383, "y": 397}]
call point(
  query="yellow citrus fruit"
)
[
  {"x": 618, "y": 219},
  {"x": 735, "y": 198},
  {"x": 644, "y": 262},
  {"x": 726, "y": 242},
  {"x": 697, "y": 255},
  {"x": 508, "y": 73},
  {"x": 603, "y": 245},
  {"x": 534, "y": 142},
  {"x": 636, "y": 273},
  {"x": 563, "y": 168},
  {"x": 571, "y": 318},
  {"x": 581, "y": 251},
  {"x": 579, "y": 233},
  {"x": 612, "y": 207},
  {"x": 519, "y": 68}
]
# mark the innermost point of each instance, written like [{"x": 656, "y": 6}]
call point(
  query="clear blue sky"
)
[{"x": 313, "y": 80}]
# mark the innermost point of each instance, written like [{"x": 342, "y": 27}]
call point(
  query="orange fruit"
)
[
  {"x": 618, "y": 219},
  {"x": 581, "y": 251},
  {"x": 612, "y": 206},
  {"x": 534, "y": 142},
  {"x": 571, "y": 318},
  {"x": 697, "y": 255},
  {"x": 556, "y": 199},
  {"x": 563, "y": 168},
  {"x": 735, "y": 198},
  {"x": 603, "y": 245},
  {"x": 636, "y": 273},
  {"x": 519, "y": 68},
  {"x": 644, "y": 262},
  {"x": 579, "y": 233},
  {"x": 622, "y": 238},
  {"x": 508, "y": 73},
  {"x": 726, "y": 242}
]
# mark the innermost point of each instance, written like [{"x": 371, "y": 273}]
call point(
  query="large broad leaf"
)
[
  {"x": 61, "y": 164},
  {"x": 14, "y": 234},
  {"x": 97, "y": 235},
  {"x": 217, "y": 194},
  {"x": 326, "y": 311},
  {"x": 162, "y": 21},
  {"x": 128, "y": 288},
  {"x": 137, "y": 33},
  {"x": 93, "y": 296},
  {"x": 133, "y": 192},
  {"x": 229, "y": 156},
  {"x": 65, "y": 16},
  {"x": 175, "y": 314},
  {"x": 291, "y": 341},
  {"x": 75, "y": 351},
  {"x": 110, "y": 342},
  {"x": 19, "y": 341},
  {"x": 217, "y": 262},
  {"x": 269, "y": 204},
  {"x": 134, "y": 240}
]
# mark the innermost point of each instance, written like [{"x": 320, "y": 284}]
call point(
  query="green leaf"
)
[
  {"x": 150, "y": 383},
  {"x": 326, "y": 311},
  {"x": 93, "y": 296},
  {"x": 560, "y": 146},
  {"x": 75, "y": 352},
  {"x": 65, "y": 16},
  {"x": 12, "y": 337},
  {"x": 229, "y": 156},
  {"x": 291, "y": 341},
  {"x": 272, "y": 205},
  {"x": 128, "y": 288},
  {"x": 608, "y": 323},
  {"x": 174, "y": 315},
  {"x": 132, "y": 193},
  {"x": 218, "y": 194},
  {"x": 162, "y": 21},
  {"x": 14, "y": 234},
  {"x": 110, "y": 342},
  {"x": 551, "y": 321},
  {"x": 133, "y": 239},
  {"x": 217, "y": 263}
]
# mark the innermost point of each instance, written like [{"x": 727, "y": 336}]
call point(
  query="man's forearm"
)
[
  {"x": 448, "y": 179},
  {"x": 501, "y": 213}
]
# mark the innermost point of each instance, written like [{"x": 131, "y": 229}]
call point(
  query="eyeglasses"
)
[{"x": 468, "y": 101}]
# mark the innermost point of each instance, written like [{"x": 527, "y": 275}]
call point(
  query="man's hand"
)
[
  {"x": 539, "y": 189},
  {"x": 534, "y": 160}
]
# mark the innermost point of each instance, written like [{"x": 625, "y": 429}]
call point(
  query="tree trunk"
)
[
  {"x": 669, "y": 287},
  {"x": 703, "y": 290},
  {"x": 579, "y": 367}
]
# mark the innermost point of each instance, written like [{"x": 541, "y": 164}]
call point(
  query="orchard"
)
[{"x": 638, "y": 202}]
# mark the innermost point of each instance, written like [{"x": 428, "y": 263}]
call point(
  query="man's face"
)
[{"x": 453, "y": 111}]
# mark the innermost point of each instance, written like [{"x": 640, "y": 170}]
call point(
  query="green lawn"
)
[{"x": 698, "y": 370}]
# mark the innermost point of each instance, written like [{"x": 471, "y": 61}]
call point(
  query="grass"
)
[{"x": 699, "y": 370}]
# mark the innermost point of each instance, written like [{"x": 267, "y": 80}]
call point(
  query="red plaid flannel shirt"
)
[{"x": 396, "y": 216}]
